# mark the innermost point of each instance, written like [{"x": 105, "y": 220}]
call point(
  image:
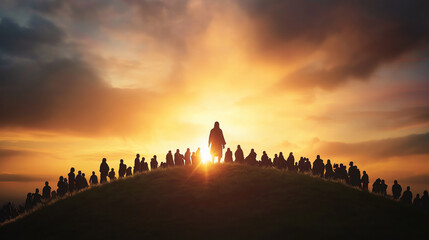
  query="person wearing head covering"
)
[
  {"x": 216, "y": 142},
  {"x": 104, "y": 171},
  {"x": 239, "y": 155},
  {"x": 228, "y": 156}
]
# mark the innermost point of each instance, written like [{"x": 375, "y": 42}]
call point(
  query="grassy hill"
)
[{"x": 220, "y": 202}]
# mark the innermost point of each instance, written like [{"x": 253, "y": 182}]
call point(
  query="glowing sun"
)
[{"x": 205, "y": 155}]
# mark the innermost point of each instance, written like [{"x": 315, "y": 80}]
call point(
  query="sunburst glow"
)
[
  {"x": 205, "y": 155},
  {"x": 152, "y": 76}
]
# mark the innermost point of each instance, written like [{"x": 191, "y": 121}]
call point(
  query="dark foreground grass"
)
[{"x": 221, "y": 202}]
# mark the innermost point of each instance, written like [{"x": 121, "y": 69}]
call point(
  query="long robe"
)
[{"x": 217, "y": 142}]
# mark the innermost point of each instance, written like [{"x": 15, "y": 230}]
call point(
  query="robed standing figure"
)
[{"x": 216, "y": 142}]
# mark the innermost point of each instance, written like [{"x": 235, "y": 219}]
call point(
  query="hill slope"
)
[{"x": 220, "y": 202}]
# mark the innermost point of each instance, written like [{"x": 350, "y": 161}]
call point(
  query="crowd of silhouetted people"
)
[{"x": 352, "y": 176}]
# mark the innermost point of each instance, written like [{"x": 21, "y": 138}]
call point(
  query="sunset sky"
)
[{"x": 82, "y": 80}]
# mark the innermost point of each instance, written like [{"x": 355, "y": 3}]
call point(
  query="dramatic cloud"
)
[
  {"x": 322, "y": 44},
  {"x": 27, "y": 41},
  {"x": 380, "y": 120},
  {"x": 336, "y": 40},
  {"x": 87, "y": 79},
  {"x": 66, "y": 95},
  {"x": 415, "y": 144}
]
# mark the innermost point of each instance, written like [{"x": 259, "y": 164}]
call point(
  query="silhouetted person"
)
[
  {"x": 188, "y": 157},
  {"x": 71, "y": 180},
  {"x": 198, "y": 157},
  {"x": 216, "y": 142},
  {"x": 228, "y": 156},
  {"x": 163, "y": 165},
  {"x": 29, "y": 201},
  {"x": 129, "y": 171},
  {"x": 178, "y": 158},
  {"x": 357, "y": 177},
  {"x": 290, "y": 162},
  {"x": 407, "y": 196},
  {"x": 93, "y": 180},
  {"x": 276, "y": 162},
  {"x": 144, "y": 166},
  {"x": 251, "y": 158},
  {"x": 169, "y": 159},
  {"x": 84, "y": 181},
  {"x": 329, "y": 172},
  {"x": 354, "y": 175},
  {"x": 417, "y": 201},
  {"x": 104, "y": 171},
  {"x": 365, "y": 181},
  {"x": 193, "y": 158},
  {"x": 383, "y": 188},
  {"x": 112, "y": 176},
  {"x": 425, "y": 200},
  {"x": 46, "y": 192},
  {"x": 61, "y": 187},
  {"x": 318, "y": 166},
  {"x": 336, "y": 171},
  {"x": 301, "y": 164},
  {"x": 376, "y": 188},
  {"x": 343, "y": 173},
  {"x": 282, "y": 161},
  {"x": 8, "y": 211},
  {"x": 137, "y": 167},
  {"x": 396, "y": 190},
  {"x": 153, "y": 163},
  {"x": 79, "y": 180},
  {"x": 307, "y": 165},
  {"x": 295, "y": 167},
  {"x": 54, "y": 195},
  {"x": 265, "y": 160},
  {"x": 37, "y": 198},
  {"x": 122, "y": 169},
  {"x": 66, "y": 185},
  {"x": 239, "y": 155}
]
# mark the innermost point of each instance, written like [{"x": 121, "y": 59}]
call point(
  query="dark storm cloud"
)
[
  {"x": 65, "y": 95},
  {"x": 366, "y": 35},
  {"x": 61, "y": 94},
  {"x": 25, "y": 41},
  {"x": 79, "y": 9},
  {"x": 416, "y": 144},
  {"x": 46, "y": 6}
]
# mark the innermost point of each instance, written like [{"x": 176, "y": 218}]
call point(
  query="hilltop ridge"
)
[{"x": 228, "y": 201}]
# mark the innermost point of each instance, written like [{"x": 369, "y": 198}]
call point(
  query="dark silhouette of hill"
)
[{"x": 228, "y": 201}]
